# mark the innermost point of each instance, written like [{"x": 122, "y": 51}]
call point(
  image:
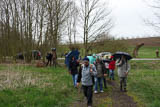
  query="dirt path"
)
[
  {"x": 120, "y": 99},
  {"x": 110, "y": 98}
]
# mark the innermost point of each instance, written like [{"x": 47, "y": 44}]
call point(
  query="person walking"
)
[
  {"x": 49, "y": 59},
  {"x": 112, "y": 68},
  {"x": 73, "y": 69},
  {"x": 100, "y": 75},
  {"x": 85, "y": 75},
  {"x": 123, "y": 69},
  {"x": 54, "y": 57}
]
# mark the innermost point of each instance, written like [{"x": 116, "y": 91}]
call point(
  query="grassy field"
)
[
  {"x": 146, "y": 52},
  {"x": 47, "y": 87},
  {"x": 144, "y": 83},
  {"x": 35, "y": 87}
]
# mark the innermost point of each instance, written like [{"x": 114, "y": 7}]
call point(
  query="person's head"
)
[
  {"x": 124, "y": 58},
  {"x": 94, "y": 55},
  {"x": 73, "y": 58},
  {"x": 98, "y": 60},
  {"x": 86, "y": 61},
  {"x": 112, "y": 57}
]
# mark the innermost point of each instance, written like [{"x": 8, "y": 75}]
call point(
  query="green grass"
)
[
  {"x": 49, "y": 87},
  {"x": 2, "y": 67},
  {"x": 146, "y": 51},
  {"x": 35, "y": 87},
  {"x": 144, "y": 82}
]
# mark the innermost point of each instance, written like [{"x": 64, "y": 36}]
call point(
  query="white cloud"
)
[{"x": 129, "y": 15}]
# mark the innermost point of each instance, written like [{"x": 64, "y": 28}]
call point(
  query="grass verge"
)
[
  {"x": 143, "y": 83},
  {"x": 35, "y": 87}
]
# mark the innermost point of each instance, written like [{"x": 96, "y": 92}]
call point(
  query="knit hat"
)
[{"x": 85, "y": 59}]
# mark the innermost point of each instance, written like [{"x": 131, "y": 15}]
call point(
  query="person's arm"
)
[
  {"x": 104, "y": 70},
  {"x": 77, "y": 63},
  {"x": 93, "y": 70},
  {"x": 79, "y": 75},
  {"x": 128, "y": 67},
  {"x": 118, "y": 62},
  {"x": 70, "y": 66}
]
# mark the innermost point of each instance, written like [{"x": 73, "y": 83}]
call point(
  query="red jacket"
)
[{"x": 112, "y": 65}]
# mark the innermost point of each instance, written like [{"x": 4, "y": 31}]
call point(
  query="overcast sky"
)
[{"x": 128, "y": 16}]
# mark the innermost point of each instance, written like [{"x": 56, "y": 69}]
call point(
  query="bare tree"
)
[
  {"x": 95, "y": 20},
  {"x": 57, "y": 15},
  {"x": 72, "y": 21},
  {"x": 31, "y": 24}
]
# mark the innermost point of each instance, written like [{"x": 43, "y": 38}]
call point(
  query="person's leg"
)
[
  {"x": 98, "y": 83},
  {"x": 125, "y": 84},
  {"x": 95, "y": 85},
  {"x": 50, "y": 62},
  {"x": 112, "y": 74},
  {"x": 121, "y": 83},
  {"x": 75, "y": 81},
  {"x": 55, "y": 63},
  {"x": 101, "y": 84},
  {"x": 105, "y": 83},
  {"x": 73, "y": 78},
  {"x": 89, "y": 95},
  {"x": 108, "y": 72},
  {"x": 47, "y": 63},
  {"x": 84, "y": 91}
]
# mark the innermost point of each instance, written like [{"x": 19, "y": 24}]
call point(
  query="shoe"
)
[
  {"x": 101, "y": 91},
  {"x": 95, "y": 92}
]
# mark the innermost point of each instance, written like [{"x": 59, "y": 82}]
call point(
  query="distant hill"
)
[{"x": 151, "y": 41}]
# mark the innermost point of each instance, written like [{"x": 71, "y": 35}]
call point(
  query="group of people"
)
[{"x": 92, "y": 72}]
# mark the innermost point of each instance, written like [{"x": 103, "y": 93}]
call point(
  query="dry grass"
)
[{"x": 12, "y": 79}]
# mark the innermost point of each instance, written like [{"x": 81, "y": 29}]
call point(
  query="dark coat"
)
[
  {"x": 49, "y": 56},
  {"x": 73, "y": 67}
]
